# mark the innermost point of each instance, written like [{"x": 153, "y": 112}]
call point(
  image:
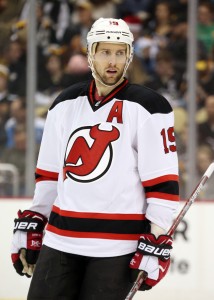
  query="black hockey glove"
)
[{"x": 27, "y": 241}]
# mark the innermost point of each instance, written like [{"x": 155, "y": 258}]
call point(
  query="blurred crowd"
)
[{"x": 160, "y": 28}]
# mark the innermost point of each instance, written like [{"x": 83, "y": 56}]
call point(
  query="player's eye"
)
[
  {"x": 121, "y": 53},
  {"x": 105, "y": 52}
]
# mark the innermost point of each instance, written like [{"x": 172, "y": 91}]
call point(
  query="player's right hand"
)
[{"x": 27, "y": 241}]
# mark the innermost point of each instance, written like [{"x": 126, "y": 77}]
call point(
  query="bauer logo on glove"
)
[
  {"x": 29, "y": 221},
  {"x": 25, "y": 225},
  {"x": 161, "y": 251}
]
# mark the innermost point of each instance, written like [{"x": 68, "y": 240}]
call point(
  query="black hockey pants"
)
[{"x": 63, "y": 276}]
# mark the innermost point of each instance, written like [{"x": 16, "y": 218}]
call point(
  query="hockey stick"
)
[{"x": 142, "y": 274}]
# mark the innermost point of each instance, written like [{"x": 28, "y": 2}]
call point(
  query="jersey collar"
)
[{"x": 97, "y": 104}]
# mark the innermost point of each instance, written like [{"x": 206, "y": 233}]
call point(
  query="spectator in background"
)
[
  {"x": 138, "y": 71},
  {"x": 155, "y": 36},
  {"x": 204, "y": 88},
  {"x": 178, "y": 41},
  {"x": 205, "y": 76},
  {"x": 50, "y": 80},
  {"x": 18, "y": 118},
  {"x": 4, "y": 116},
  {"x": 136, "y": 26},
  {"x": 204, "y": 158},
  {"x": 104, "y": 8},
  {"x": 53, "y": 18},
  {"x": 140, "y": 8},
  {"x": 82, "y": 19},
  {"x": 4, "y": 79},
  {"x": 161, "y": 24},
  {"x": 15, "y": 56},
  {"x": 165, "y": 80},
  {"x": 179, "y": 9},
  {"x": 5, "y": 101},
  {"x": 76, "y": 70},
  {"x": 146, "y": 49},
  {"x": 206, "y": 26},
  {"x": 177, "y": 44},
  {"x": 56, "y": 14},
  {"x": 206, "y": 129},
  {"x": 9, "y": 12}
]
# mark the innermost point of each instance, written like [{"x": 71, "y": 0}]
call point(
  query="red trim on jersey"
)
[
  {"x": 47, "y": 174},
  {"x": 91, "y": 88},
  {"x": 109, "y": 96},
  {"x": 43, "y": 178},
  {"x": 163, "y": 196},
  {"x": 93, "y": 235},
  {"x": 170, "y": 177},
  {"x": 87, "y": 215}
]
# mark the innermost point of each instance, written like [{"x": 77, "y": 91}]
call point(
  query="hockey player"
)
[{"x": 106, "y": 183}]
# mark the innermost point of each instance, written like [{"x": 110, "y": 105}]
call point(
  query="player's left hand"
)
[{"x": 153, "y": 257}]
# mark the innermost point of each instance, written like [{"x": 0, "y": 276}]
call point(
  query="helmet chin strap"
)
[{"x": 97, "y": 76}]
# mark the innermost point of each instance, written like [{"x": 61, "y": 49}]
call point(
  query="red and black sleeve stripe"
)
[
  {"x": 163, "y": 187},
  {"x": 43, "y": 175}
]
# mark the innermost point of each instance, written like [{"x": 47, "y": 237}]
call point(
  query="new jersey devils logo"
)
[{"x": 89, "y": 152}]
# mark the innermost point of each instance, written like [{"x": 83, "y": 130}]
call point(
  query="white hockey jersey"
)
[{"x": 105, "y": 167}]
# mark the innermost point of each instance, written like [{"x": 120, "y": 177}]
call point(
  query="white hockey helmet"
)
[{"x": 111, "y": 31}]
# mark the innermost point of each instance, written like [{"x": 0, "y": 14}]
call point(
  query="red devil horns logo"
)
[{"x": 86, "y": 149}]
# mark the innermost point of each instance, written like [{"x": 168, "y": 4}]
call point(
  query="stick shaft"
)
[
  {"x": 142, "y": 274},
  {"x": 140, "y": 278},
  {"x": 192, "y": 198}
]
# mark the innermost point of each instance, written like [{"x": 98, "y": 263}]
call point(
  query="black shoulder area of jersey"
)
[
  {"x": 72, "y": 92},
  {"x": 146, "y": 97}
]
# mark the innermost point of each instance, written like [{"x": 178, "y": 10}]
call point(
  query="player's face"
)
[{"x": 109, "y": 62}]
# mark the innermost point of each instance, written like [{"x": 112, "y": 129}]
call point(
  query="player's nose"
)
[{"x": 112, "y": 60}]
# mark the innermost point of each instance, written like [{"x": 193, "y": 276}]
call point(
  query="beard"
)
[{"x": 109, "y": 80}]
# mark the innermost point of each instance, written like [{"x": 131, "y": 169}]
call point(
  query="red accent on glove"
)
[
  {"x": 34, "y": 240},
  {"x": 31, "y": 214},
  {"x": 27, "y": 239},
  {"x": 152, "y": 250},
  {"x": 15, "y": 257}
]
